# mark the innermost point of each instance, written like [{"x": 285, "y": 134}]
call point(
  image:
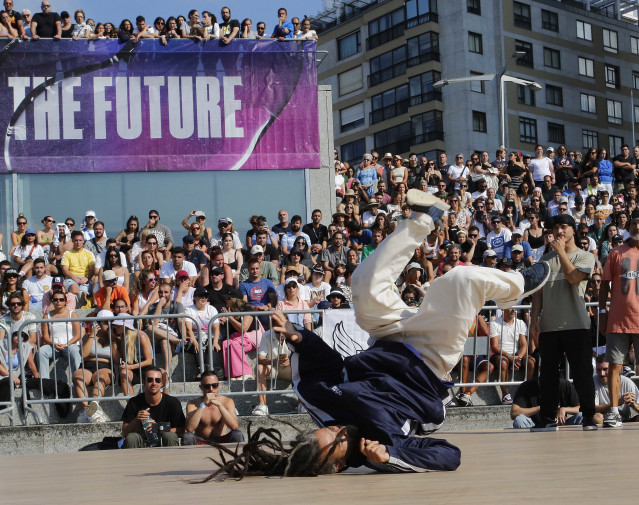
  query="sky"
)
[{"x": 117, "y": 10}]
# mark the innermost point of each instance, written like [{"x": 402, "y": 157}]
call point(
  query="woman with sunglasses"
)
[
  {"x": 11, "y": 283},
  {"x": 589, "y": 167},
  {"x": 524, "y": 194},
  {"x": 16, "y": 236},
  {"x": 464, "y": 195},
  {"x": 589, "y": 214},
  {"x": 351, "y": 212},
  {"x": 307, "y": 258},
  {"x": 129, "y": 236},
  {"x": 148, "y": 242},
  {"x": 294, "y": 259},
  {"x": 132, "y": 351},
  {"x": 45, "y": 236},
  {"x": 197, "y": 231},
  {"x": 113, "y": 262},
  {"x": 462, "y": 212},
  {"x": 27, "y": 251},
  {"x": 145, "y": 292}
]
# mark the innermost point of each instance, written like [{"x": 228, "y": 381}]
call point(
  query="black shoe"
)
[
  {"x": 420, "y": 201},
  {"x": 535, "y": 277},
  {"x": 545, "y": 425},
  {"x": 588, "y": 424}
]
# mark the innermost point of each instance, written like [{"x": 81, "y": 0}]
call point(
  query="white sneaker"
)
[
  {"x": 260, "y": 410},
  {"x": 83, "y": 418},
  {"x": 301, "y": 409},
  {"x": 98, "y": 417},
  {"x": 92, "y": 408}
]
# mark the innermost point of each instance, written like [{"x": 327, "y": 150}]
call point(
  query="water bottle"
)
[{"x": 151, "y": 437}]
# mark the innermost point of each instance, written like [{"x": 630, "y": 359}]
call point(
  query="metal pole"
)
[
  {"x": 632, "y": 115},
  {"x": 502, "y": 100}
]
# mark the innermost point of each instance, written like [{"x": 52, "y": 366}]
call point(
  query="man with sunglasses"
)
[
  {"x": 47, "y": 23},
  {"x": 110, "y": 291},
  {"x": 210, "y": 415},
  {"x": 12, "y": 320},
  {"x": 164, "y": 411}
]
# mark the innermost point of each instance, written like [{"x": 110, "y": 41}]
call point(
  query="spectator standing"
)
[
  {"x": 283, "y": 29},
  {"x": 246, "y": 32},
  {"x": 46, "y": 24},
  {"x": 621, "y": 322},
  {"x": 563, "y": 324},
  {"x": 261, "y": 30},
  {"x": 230, "y": 28},
  {"x": 17, "y": 19},
  {"x": 209, "y": 23},
  {"x": 26, "y": 16},
  {"x": 367, "y": 175},
  {"x": 625, "y": 167},
  {"x": 541, "y": 167},
  {"x": 498, "y": 237},
  {"x": 306, "y": 33}
]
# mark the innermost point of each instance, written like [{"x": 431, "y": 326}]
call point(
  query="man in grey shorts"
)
[{"x": 621, "y": 320}]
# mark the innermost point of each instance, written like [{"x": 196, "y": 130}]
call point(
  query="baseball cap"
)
[
  {"x": 415, "y": 265},
  {"x": 189, "y": 239},
  {"x": 292, "y": 268},
  {"x": 199, "y": 292},
  {"x": 222, "y": 220},
  {"x": 550, "y": 150},
  {"x": 518, "y": 231},
  {"x": 489, "y": 253},
  {"x": 181, "y": 273},
  {"x": 579, "y": 199},
  {"x": 217, "y": 271},
  {"x": 56, "y": 281},
  {"x": 109, "y": 275},
  {"x": 123, "y": 320},
  {"x": 257, "y": 249},
  {"x": 517, "y": 247},
  {"x": 290, "y": 281},
  {"x": 317, "y": 269},
  {"x": 564, "y": 219},
  {"x": 199, "y": 213},
  {"x": 11, "y": 271},
  {"x": 30, "y": 231},
  {"x": 89, "y": 213}
]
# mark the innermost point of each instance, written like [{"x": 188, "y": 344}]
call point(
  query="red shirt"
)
[{"x": 622, "y": 269}]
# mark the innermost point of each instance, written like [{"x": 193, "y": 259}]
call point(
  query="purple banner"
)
[{"x": 103, "y": 106}]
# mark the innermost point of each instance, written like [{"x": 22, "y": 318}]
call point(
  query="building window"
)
[
  {"x": 475, "y": 44},
  {"x": 348, "y": 45},
  {"x": 352, "y": 117},
  {"x": 528, "y": 130},
  {"x": 427, "y": 127},
  {"x": 394, "y": 140},
  {"x": 385, "y": 28},
  {"x": 387, "y": 66},
  {"x": 614, "y": 112},
  {"x": 614, "y": 145},
  {"x": 527, "y": 59},
  {"x": 637, "y": 115},
  {"x": 479, "y": 121},
  {"x": 552, "y": 58},
  {"x": 586, "y": 67},
  {"x": 588, "y": 103},
  {"x": 420, "y": 11},
  {"x": 525, "y": 95},
  {"x": 554, "y": 95},
  {"x": 635, "y": 80},
  {"x": 390, "y": 103},
  {"x": 610, "y": 41},
  {"x": 353, "y": 151},
  {"x": 556, "y": 133},
  {"x": 589, "y": 139},
  {"x": 421, "y": 88},
  {"x": 473, "y": 7},
  {"x": 522, "y": 15},
  {"x": 477, "y": 86},
  {"x": 549, "y": 20},
  {"x": 612, "y": 76},
  {"x": 423, "y": 48},
  {"x": 350, "y": 81},
  {"x": 584, "y": 30},
  {"x": 634, "y": 45}
]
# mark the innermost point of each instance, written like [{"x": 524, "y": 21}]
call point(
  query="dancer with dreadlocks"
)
[{"x": 375, "y": 408}]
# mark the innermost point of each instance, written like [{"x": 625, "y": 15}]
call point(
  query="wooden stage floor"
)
[{"x": 498, "y": 466}]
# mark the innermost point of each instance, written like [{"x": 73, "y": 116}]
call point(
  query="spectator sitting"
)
[
  {"x": 105, "y": 296},
  {"x": 376, "y": 240},
  {"x": 112, "y": 260},
  {"x": 11, "y": 321},
  {"x": 319, "y": 290},
  {"x": 217, "y": 261},
  {"x": 516, "y": 238},
  {"x": 78, "y": 266},
  {"x": 274, "y": 362},
  {"x": 208, "y": 416},
  {"x": 202, "y": 311},
  {"x": 183, "y": 292},
  {"x": 270, "y": 251},
  {"x": 628, "y": 394},
  {"x": 294, "y": 260},
  {"x": 358, "y": 237},
  {"x": 37, "y": 285},
  {"x": 161, "y": 232},
  {"x": 177, "y": 263},
  {"x": 197, "y": 258},
  {"x": 337, "y": 299},
  {"x": 317, "y": 232},
  {"x": 267, "y": 268},
  {"x": 288, "y": 240},
  {"x": 498, "y": 237},
  {"x": 57, "y": 284},
  {"x": 132, "y": 350},
  {"x": 257, "y": 291},
  {"x": 147, "y": 413},
  {"x": 332, "y": 255},
  {"x": 490, "y": 259},
  {"x": 27, "y": 251}
]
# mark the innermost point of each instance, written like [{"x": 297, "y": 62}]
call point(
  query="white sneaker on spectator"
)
[
  {"x": 83, "y": 418},
  {"x": 260, "y": 410},
  {"x": 98, "y": 417},
  {"x": 92, "y": 408},
  {"x": 301, "y": 409},
  {"x": 612, "y": 420},
  {"x": 507, "y": 399}
]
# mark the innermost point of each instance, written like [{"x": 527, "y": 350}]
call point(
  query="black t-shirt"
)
[
  {"x": 622, "y": 175},
  {"x": 280, "y": 230},
  {"x": 46, "y": 23},
  {"x": 549, "y": 194},
  {"x": 227, "y": 28},
  {"x": 169, "y": 410},
  {"x": 218, "y": 298},
  {"x": 480, "y": 248},
  {"x": 271, "y": 253},
  {"x": 197, "y": 258},
  {"x": 527, "y": 395},
  {"x": 15, "y": 17},
  {"x": 68, "y": 33},
  {"x": 317, "y": 235}
]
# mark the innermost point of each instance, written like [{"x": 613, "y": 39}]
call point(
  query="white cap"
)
[
  {"x": 256, "y": 249},
  {"x": 89, "y": 213},
  {"x": 489, "y": 253}
]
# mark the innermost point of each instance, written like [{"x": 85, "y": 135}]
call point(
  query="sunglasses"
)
[
  {"x": 152, "y": 279},
  {"x": 15, "y": 304},
  {"x": 120, "y": 307},
  {"x": 154, "y": 217},
  {"x": 68, "y": 224},
  {"x": 50, "y": 220},
  {"x": 210, "y": 385},
  {"x": 151, "y": 380},
  {"x": 22, "y": 223},
  {"x": 58, "y": 300}
]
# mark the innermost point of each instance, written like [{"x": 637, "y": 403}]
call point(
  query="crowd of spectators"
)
[{"x": 50, "y": 24}]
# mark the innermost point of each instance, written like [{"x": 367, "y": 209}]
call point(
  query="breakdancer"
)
[{"x": 375, "y": 408}]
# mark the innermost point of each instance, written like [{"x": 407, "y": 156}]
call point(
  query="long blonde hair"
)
[{"x": 130, "y": 341}]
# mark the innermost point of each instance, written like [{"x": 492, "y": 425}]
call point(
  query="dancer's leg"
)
[{"x": 378, "y": 308}]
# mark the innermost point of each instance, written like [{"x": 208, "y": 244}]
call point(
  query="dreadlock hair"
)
[{"x": 265, "y": 454}]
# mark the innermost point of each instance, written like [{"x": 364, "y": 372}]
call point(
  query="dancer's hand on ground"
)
[
  {"x": 282, "y": 325},
  {"x": 374, "y": 451}
]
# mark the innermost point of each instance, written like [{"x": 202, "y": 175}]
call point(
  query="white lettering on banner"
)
[{"x": 203, "y": 101}]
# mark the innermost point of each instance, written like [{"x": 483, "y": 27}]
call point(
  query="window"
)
[
  {"x": 353, "y": 151},
  {"x": 589, "y": 139},
  {"x": 635, "y": 80},
  {"x": 549, "y": 20},
  {"x": 420, "y": 11},
  {"x": 479, "y": 121},
  {"x": 385, "y": 28},
  {"x": 586, "y": 67},
  {"x": 527, "y": 59},
  {"x": 387, "y": 66},
  {"x": 473, "y": 7},
  {"x": 427, "y": 127},
  {"x": 475, "y": 44},
  {"x": 352, "y": 117},
  {"x": 556, "y": 133},
  {"x": 614, "y": 112},
  {"x": 614, "y": 145},
  {"x": 390, "y": 103},
  {"x": 637, "y": 116},
  {"x": 552, "y": 58},
  {"x": 348, "y": 45},
  {"x": 584, "y": 30},
  {"x": 554, "y": 95},
  {"x": 350, "y": 81},
  {"x": 634, "y": 45},
  {"x": 588, "y": 103},
  {"x": 522, "y": 15},
  {"x": 477, "y": 86},
  {"x": 612, "y": 76},
  {"x": 610, "y": 41},
  {"x": 525, "y": 95},
  {"x": 423, "y": 48},
  {"x": 528, "y": 130},
  {"x": 394, "y": 140},
  {"x": 421, "y": 87}
]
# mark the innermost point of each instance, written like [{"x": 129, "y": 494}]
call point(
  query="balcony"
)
[
  {"x": 389, "y": 111},
  {"x": 427, "y": 17},
  {"x": 429, "y": 96},
  {"x": 386, "y": 74},
  {"x": 423, "y": 58},
  {"x": 401, "y": 146},
  {"x": 386, "y": 36}
]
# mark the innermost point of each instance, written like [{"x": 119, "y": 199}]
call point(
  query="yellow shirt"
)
[{"x": 78, "y": 262}]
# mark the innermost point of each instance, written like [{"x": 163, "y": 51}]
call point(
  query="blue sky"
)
[{"x": 116, "y": 10}]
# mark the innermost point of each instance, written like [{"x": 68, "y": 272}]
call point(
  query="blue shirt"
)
[
  {"x": 365, "y": 239},
  {"x": 605, "y": 172},
  {"x": 257, "y": 293},
  {"x": 509, "y": 246},
  {"x": 367, "y": 176},
  {"x": 279, "y": 31}
]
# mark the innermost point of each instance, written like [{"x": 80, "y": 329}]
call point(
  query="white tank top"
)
[{"x": 61, "y": 332}]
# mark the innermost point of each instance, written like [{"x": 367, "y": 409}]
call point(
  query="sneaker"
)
[
  {"x": 507, "y": 399},
  {"x": 463, "y": 400},
  {"x": 612, "y": 420},
  {"x": 92, "y": 409},
  {"x": 83, "y": 418},
  {"x": 589, "y": 424},
  {"x": 545, "y": 425},
  {"x": 260, "y": 410},
  {"x": 301, "y": 409},
  {"x": 98, "y": 417},
  {"x": 420, "y": 201},
  {"x": 535, "y": 277}
]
